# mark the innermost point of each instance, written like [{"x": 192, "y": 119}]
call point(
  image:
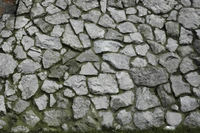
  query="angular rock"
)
[
  {"x": 37, "y": 10},
  {"x": 88, "y": 55},
  {"x": 128, "y": 50},
  {"x": 145, "y": 99},
  {"x": 107, "y": 118},
  {"x": 58, "y": 71},
  {"x": 106, "y": 46},
  {"x": 42, "y": 25},
  {"x": 150, "y": 76},
  {"x": 196, "y": 45},
  {"x": 172, "y": 45},
  {"x": 193, "y": 79},
  {"x": 126, "y": 27},
  {"x": 94, "y": 31},
  {"x": 117, "y": 60},
  {"x": 30, "y": 118},
  {"x": 69, "y": 55},
  {"x": 41, "y": 102},
  {"x": 20, "y": 129},
  {"x": 117, "y": 15},
  {"x": 78, "y": 84},
  {"x": 172, "y": 28},
  {"x": 7, "y": 65},
  {"x": 146, "y": 31},
  {"x": 19, "y": 52},
  {"x": 27, "y": 42},
  {"x": 155, "y": 21},
  {"x": 107, "y": 21},
  {"x": 92, "y": 16},
  {"x": 47, "y": 42},
  {"x": 77, "y": 25},
  {"x": 88, "y": 69},
  {"x": 186, "y": 37},
  {"x": 2, "y": 105},
  {"x": 122, "y": 100},
  {"x": 101, "y": 102},
  {"x": 142, "y": 49},
  {"x": 21, "y": 21},
  {"x": 28, "y": 86},
  {"x": 139, "y": 62},
  {"x": 85, "y": 40},
  {"x": 74, "y": 11},
  {"x": 173, "y": 118},
  {"x": 20, "y": 106},
  {"x": 113, "y": 35},
  {"x": 28, "y": 66},
  {"x": 57, "y": 18},
  {"x": 50, "y": 86},
  {"x": 160, "y": 36},
  {"x": 86, "y": 5},
  {"x": 81, "y": 106},
  {"x": 57, "y": 31},
  {"x": 124, "y": 117},
  {"x": 103, "y": 84},
  {"x": 193, "y": 119},
  {"x": 50, "y": 58},
  {"x": 124, "y": 80},
  {"x": 188, "y": 103},
  {"x": 68, "y": 93}
]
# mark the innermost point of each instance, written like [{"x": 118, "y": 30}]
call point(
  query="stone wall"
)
[{"x": 80, "y": 65}]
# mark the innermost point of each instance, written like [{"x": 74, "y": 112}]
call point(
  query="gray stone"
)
[
  {"x": 100, "y": 102},
  {"x": 189, "y": 17},
  {"x": 159, "y": 6},
  {"x": 85, "y": 40},
  {"x": 70, "y": 54},
  {"x": 173, "y": 118},
  {"x": 134, "y": 37},
  {"x": 142, "y": 11},
  {"x": 135, "y": 19},
  {"x": 147, "y": 119},
  {"x": 122, "y": 100},
  {"x": 62, "y": 4},
  {"x": 106, "y": 46},
  {"x": 173, "y": 15},
  {"x": 47, "y": 42},
  {"x": 16, "y": 77},
  {"x": 155, "y": 21},
  {"x": 142, "y": 49},
  {"x": 106, "y": 68},
  {"x": 55, "y": 118},
  {"x": 94, "y": 31},
  {"x": 57, "y": 18},
  {"x": 21, "y": 21},
  {"x": 107, "y": 118},
  {"x": 70, "y": 39},
  {"x": 117, "y": 60},
  {"x": 20, "y": 129},
  {"x": 172, "y": 45},
  {"x": 74, "y": 11},
  {"x": 52, "y": 100},
  {"x": 126, "y": 27},
  {"x": 146, "y": 31},
  {"x": 28, "y": 66},
  {"x": 139, "y": 62},
  {"x": 57, "y": 31},
  {"x": 42, "y": 25},
  {"x": 103, "y": 84},
  {"x": 152, "y": 59},
  {"x": 128, "y": 50},
  {"x": 170, "y": 61},
  {"x": 124, "y": 80},
  {"x": 37, "y": 10},
  {"x": 185, "y": 50},
  {"x": 124, "y": 117},
  {"x": 160, "y": 36},
  {"x": 2, "y": 105},
  {"x": 103, "y": 4},
  {"x": 186, "y": 37},
  {"x": 92, "y": 16},
  {"x": 172, "y": 28},
  {"x": 50, "y": 58},
  {"x": 113, "y": 35},
  {"x": 178, "y": 86},
  {"x": 41, "y": 102},
  {"x": 7, "y": 65},
  {"x": 107, "y": 21},
  {"x": 2, "y": 124},
  {"x": 5, "y": 33},
  {"x": 35, "y": 54},
  {"x": 193, "y": 79},
  {"x": 28, "y": 86},
  {"x": 88, "y": 69},
  {"x": 185, "y": 2},
  {"x": 188, "y": 103},
  {"x": 145, "y": 99},
  {"x": 27, "y": 42},
  {"x": 196, "y": 45},
  {"x": 196, "y": 3},
  {"x": 32, "y": 30},
  {"x": 58, "y": 71},
  {"x": 20, "y": 106},
  {"x": 68, "y": 93},
  {"x": 50, "y": 86},
  {"x": 22, "y": 9},
  {"x": 88, "y": 55},
  {"x": 86, "y": 5},
  {"x": 10, "y": 89},
  {"x": 77, "y": 25},
  {"x": 81, "y": 106},
  {"x": 193, "y": 119},
  {"x": 30, "y": 118},
  {"x": 52, "y": 9},
  {"x": 117, "y": 15},
  {"x": 19, "y": 52},
  {"x": 78, "y": 84},
  {"x": 150, "y": 76}
]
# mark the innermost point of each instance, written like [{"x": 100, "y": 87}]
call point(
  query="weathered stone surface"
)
[
  {"x": 42, "y": 25},
  {"x": 107, "y": 118},
  {"x": 147, "y": 119},
  {"x": 7, "y": 65},
  {"x": 91, "y": 16},
  {"x": 27, "y": 42},
  {"x": 122, "y": 100},
  {"x": 88, "y": 55},
  {"x": 159, "y": 6},
  {"x": 172, "y": 28},
  {"x": 117, "y": 15},
  {"x": 170, "y": 61},
  {"x": 94, "y": 31},
  {"x": 77, "y": 25},
  {"x": 31, "y": 118},
  {"x": 106, "y": 46},
  {"x": 50, "y": 86},
  {"x": 196, "y": 45},
  {"x": 80, "y": 106},
  {"x": 193, "y": 79},
  {"x": 41, "y": 102},
  {"x": 139, "y": 62},
  {"x": 124, "y": 117},
  {"x": 55, "y": 117},
  {"x": 193, "y": 119},
  {"x": 103, "y": 84},
  {"x": 28, "y": 66},
  {"x": 47, "y": 42},
  {"x": 160, "y": 36},
  {"x": 74, "y": 11},
  {"x": 178, "y": 86},
  {"x": 101, "y": 102},
  {"x": 126, "y": 27},
  {"x": 186, "y": 37},
  {"x": 28, "y": 86},
  {"x": 58, "y": 71},
  {"x": 19, "y": 52},
  {"x": 57, "y": 18},
  {"x": 107, "y": 21},
  {"x": 188, "y": 103},
  {"x": 128, "y": 50},
  {"x": 189, "y": 17},
  {"x": 2, "y": 105},
  {"x": 150, "y": 76},
  {"x": 172, "y": 45},
  {"x": 78, "y": 84},
  {"x": 20, "y": 106},
  {"x": 155, "y": 21},
  {"x": 119, "y": 61},
  {"x": 88, "y": 69},
  {"x": 21, "y": 21},
  {"x": 142, "y": 49},
  {"x": 145, "y": 99},
  {"x": 19, "y": 129},
  {"x": 124, "y": 80},
  {"x": 86, "y": 5},
  {"x": 156, "y": 47},
  {"x": 49, "y": 58},
  {"x": 173, "y": 118}
]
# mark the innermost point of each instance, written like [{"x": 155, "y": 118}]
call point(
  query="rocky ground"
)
[{"x": 79, "y": 65}]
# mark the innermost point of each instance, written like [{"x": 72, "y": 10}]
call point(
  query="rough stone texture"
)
[
  {"x": 31, "y": 118},
  {"x": 150, "y": 76},
  {"x": 101, "y": 102},
  {"x": 173, "y": 118},
  {"x": 124, "y": 80},
  {"x": 193, "y": 119},
  {"x": 50, "y": 86},
  {"x": 188, "y": 103}
]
